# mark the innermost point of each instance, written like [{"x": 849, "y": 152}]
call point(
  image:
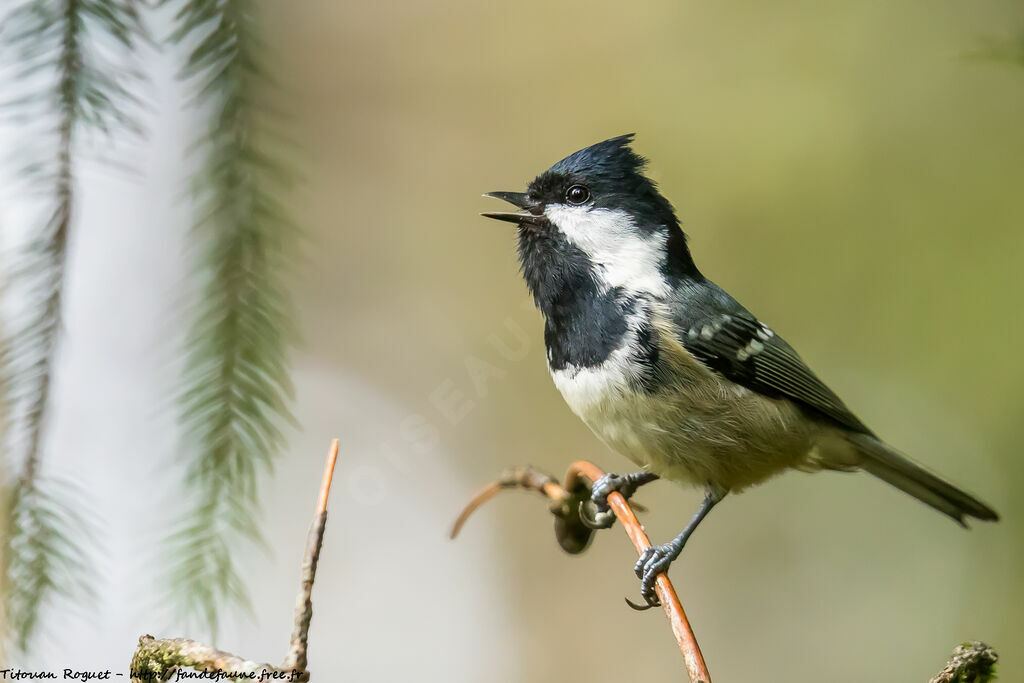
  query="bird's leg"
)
[
  {"x": 657, "y": 558},
  {"x": 625, "y": 484}
]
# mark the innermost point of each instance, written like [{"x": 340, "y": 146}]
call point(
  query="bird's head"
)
[{"x": 595, "y": 215}]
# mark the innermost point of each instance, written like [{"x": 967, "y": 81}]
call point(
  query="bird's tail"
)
[{"x": 898, "y": 470}]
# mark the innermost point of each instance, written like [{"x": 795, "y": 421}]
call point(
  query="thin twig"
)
[
  {"x": 695, "y": 665},
  {"x": 575, "y": 490},
  {"x": 296, "y": 658},
  {"x": 157, "y": 660},
  {"x": 521, "y": 477}
]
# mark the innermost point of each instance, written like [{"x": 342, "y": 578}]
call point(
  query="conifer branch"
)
[
  {"x": 70, "y": 40},
  {"x": 237, "y": 389}
]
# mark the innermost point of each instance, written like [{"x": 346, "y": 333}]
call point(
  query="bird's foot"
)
[
  {"x": 624, "y": 484},
  {"x": 654, "y": 560}
]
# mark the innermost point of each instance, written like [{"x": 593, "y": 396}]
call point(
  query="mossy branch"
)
[
  {"x": 158, "y": 659},
  {"x": 973, "y": 662}
]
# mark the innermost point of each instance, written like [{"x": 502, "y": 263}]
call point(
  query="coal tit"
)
[{"x": 667, "y": 368}]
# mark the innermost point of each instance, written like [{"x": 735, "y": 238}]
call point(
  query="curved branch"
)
[
  {"x": 520, "y": 477},
  {"x": 681, "y": 628},
  {"x": 574, "y": 490}
]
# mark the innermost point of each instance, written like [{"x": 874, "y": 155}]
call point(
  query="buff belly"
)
[{"x": 697, "y": 428}]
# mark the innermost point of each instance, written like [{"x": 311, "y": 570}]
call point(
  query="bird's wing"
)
[{"x": 729, "y": 340}]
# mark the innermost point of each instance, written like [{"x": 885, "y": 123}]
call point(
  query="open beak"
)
[{"x": 517, "y": 199}]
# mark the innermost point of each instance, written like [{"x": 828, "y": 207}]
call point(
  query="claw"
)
[
  {"x": 601, "y": 520},
  {"x": 643, "y": 608},
  {"x": 654, "y": 560}
]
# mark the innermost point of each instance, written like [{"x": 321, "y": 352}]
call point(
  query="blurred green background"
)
[
  {"x": 842, "y": 168},
  {"x": 848, "y": 170}
]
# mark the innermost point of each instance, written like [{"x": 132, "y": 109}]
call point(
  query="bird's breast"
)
[{"x": 653, "y": 402}]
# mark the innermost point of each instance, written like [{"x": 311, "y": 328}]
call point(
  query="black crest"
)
[
  {"x": 614, "y": 175},
  {"x": 614, "y": 158}
]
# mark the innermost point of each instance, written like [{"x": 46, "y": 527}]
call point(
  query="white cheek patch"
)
[{"x": 623, "y": 256}]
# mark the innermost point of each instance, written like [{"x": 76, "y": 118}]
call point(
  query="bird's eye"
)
[{"x": 577, "y": 194}]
